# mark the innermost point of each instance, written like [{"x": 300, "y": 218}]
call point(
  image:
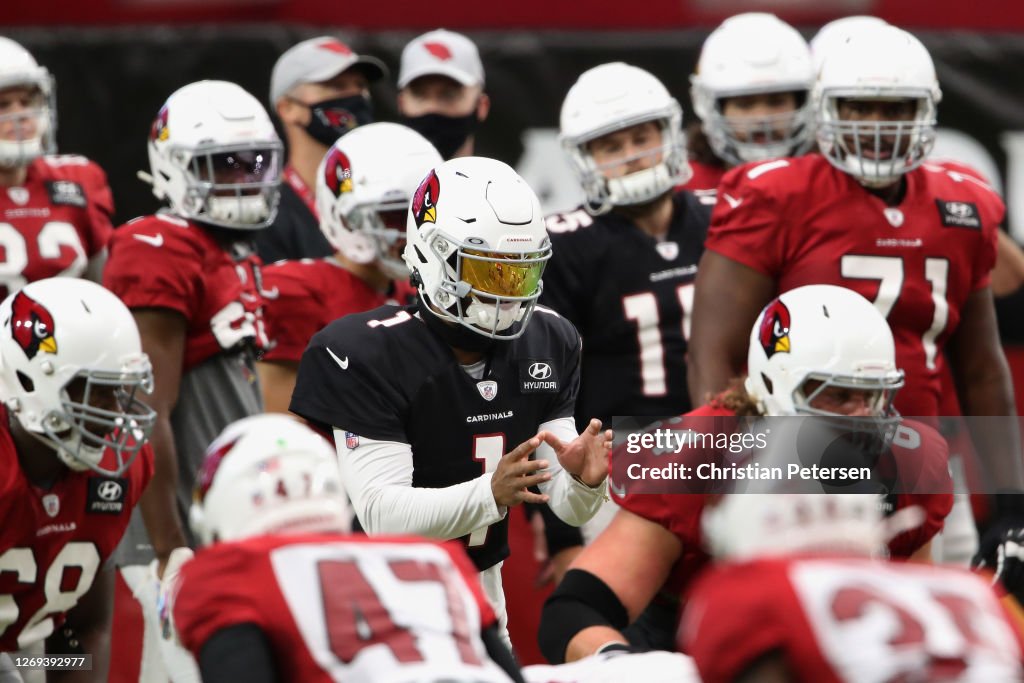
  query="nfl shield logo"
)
[
  {"x": 488, "y": 389},
  {"x": 668, "y": 250},
  {"x": 18, "y": 195},
  {"x": 51, "y": 503},
  {"x": 351, "y": 441}
]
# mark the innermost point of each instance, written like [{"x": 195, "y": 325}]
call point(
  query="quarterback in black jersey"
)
[
  {"x": 437, "y": 408},
  {"x": 624, "y": 263}
]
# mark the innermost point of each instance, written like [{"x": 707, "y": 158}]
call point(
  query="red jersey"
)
[
  {"x": 163, "y": 261},
  {"x": 54, "y": 223},
  {"x": 835, "y": 620},
  {"x": 302, "y": 297},
  {"x": 920, "y": 451},
  {"x": 802, "y": 221},
  {"x": 53, "y": 541},
  {"x": 705, "y": 177},
  {"x": 344, "y": 608}
]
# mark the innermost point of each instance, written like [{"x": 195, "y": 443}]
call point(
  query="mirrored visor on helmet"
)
[{"x": 505, "y": 275}]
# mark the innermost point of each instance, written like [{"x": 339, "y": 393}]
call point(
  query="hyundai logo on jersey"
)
[
  {"x": 106, "y": 495},
  {"x": 537, "y": 376}
]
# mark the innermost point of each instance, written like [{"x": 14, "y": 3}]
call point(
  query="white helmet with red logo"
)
[
  {"x": 215, "y": 156},
  {"x": 18, "y": 68},
  {"x": 828, "y": 334},
  {"x": 363, "y": 189},
  {"x": 477, "y": 246},
  {"x": 268, "y": 474},
  {"x": 71, "y": 365}
]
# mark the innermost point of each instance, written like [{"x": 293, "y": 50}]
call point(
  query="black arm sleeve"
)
[
  {"x": 582, "y": 600},
  {"x": 500, "y": 653},
  {"x": 237, "y": 653}
]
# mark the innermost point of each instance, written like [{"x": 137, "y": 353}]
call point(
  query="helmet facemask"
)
[
  {"x": 383, "y": 225},
  {"x": 18, "y": 146},
  {"x": 877, "y": 153},
  {"x": 874, "y": 430},
  {"x": 100, "y": 410},
  {"x": 488, "y": 291},
  {"x": 640, "y": 187},
  {"x": 231, "y": 186},
  {"x": 741, "y": 139}
]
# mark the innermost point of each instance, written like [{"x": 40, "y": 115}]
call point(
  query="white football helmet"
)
[
  {"x": 881, "y": 63},
  {"x": 824, "y": 333},
  {"x": 214, "y": 155},
  {"x": 836, "y": 32},
  {"x": 747, "y": 525},
  {"x": 363, "y": 189},
  {"x": 71, "y": 365},
  {"x": 609, "y": 98},
  {"x": 268, "y": 474},
  {"x": 754, "y": 54},
  {"x": 476, "y": 246},
  {"x": 18, "y": 69}
]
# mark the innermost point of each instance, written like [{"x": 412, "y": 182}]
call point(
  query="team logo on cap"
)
[
  {"x": 32, "y": 326},
  {"x": 160, "y": 131},
  {"x": 774, "y": 332},
  {"x": 424, "y": 202},
  {"x": 338, "y": 172},
  {"x": 335, "y": 46},
  {"x": 439, "y": 50}
]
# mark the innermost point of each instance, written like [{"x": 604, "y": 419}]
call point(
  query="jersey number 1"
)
[{"x": 643, "y": 308}]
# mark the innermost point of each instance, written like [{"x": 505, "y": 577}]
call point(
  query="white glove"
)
[{"x": 181, "y": 667}]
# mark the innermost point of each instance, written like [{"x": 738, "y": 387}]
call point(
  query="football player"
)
[
  {"x": 280, "y": 591},
  {"x": 55, "y": 211},
  {"x": 363, "y": 189},
  {"x": 437, "y": 407},
  {"x": 191, "y": 277},
  {"x": 797, "y": 596},
  {"x": 752, "y": 93},
  {"x": 75, "y": 461},
  {"x": 916, "y": 239},
  {"x": 624, "y": 263},
  {"x": 818, "y": 350}
]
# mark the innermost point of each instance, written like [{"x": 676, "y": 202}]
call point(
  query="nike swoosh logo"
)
[
  {"x": 151, "y": 240},
  {"x": 733, "y": 202},
  {"x": 343, "y": 364},
  {"x": 271, "y": 293}
]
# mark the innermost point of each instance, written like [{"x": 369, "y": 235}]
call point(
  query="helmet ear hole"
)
[{"x": 26, "y": 382}]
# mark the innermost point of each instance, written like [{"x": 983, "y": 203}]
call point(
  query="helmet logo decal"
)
[
  {"x": 32, "y": 326},
  {"x": 336, "y": 118},
  {"x": 774, "y": 331},
  {"x": 438, "y": 50},
  {"x": 160, "y": 132},
  {"x": 211, "y": 463},
  {"x": 333, "y": 45},
  {"x": 338, "y": 172},
  {"x": 424, "y": 202}
]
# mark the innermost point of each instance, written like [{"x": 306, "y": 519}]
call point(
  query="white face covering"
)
[
  {"x": 483, "y": 315},
  {"x": 640, "y": 187},
  {"x": 242, "y": 210}
]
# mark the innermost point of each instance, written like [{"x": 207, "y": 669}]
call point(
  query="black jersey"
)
[
  {"x": 631, "y": 298},
  {"x": 385, "y": 375}
]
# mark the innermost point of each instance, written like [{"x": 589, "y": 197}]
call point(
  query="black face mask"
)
[
  {"x": 446, "y": 133},
  {"x": 331, "y": 119}
]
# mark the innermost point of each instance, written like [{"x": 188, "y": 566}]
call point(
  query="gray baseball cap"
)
[
  {"x": 441, "y": 53},
  {"x": 316, "y": 60}
]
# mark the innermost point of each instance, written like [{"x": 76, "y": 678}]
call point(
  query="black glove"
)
[{"x": 1001, "y": 548}]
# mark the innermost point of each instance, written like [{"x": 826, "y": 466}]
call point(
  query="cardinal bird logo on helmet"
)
[
  {"x": 338, "y": 172},
  {"x": 32, "y": 326},
  {"x": 424, "y": 202},
  {"x": 159, "y": 132},
  {"x": 774, "y": 332}
]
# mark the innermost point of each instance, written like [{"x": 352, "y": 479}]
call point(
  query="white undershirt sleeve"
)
[
  {"x": 573, "y": 501},
  {"x": 377, "y": 476}
]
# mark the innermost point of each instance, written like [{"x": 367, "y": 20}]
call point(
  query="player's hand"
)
[
  {"x": 586, "y": 456},
  {"x": 180, "y": 666},
  {"x": 1001, "y": 548},
  {"x": 516, "y": 473}
]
